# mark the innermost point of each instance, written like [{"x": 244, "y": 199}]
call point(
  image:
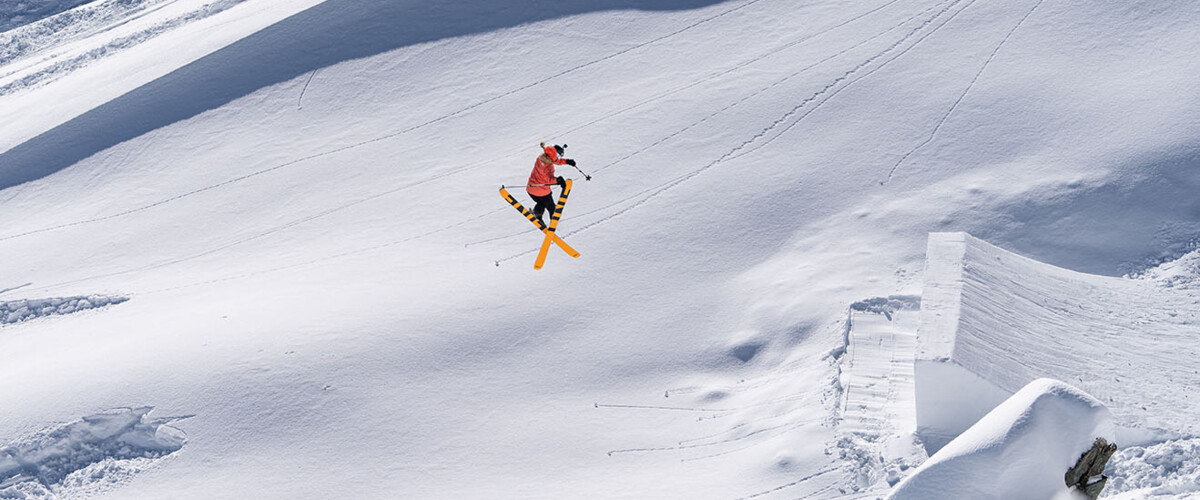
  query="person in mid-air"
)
[{"x": 543, "y": 177}]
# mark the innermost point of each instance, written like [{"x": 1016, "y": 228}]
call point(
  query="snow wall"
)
[
  {"x": 992, "y": 321},
  {"x": 1021, "y": 449}
]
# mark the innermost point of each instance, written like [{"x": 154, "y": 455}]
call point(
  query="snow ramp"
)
[{"x": 992, "y": 321}]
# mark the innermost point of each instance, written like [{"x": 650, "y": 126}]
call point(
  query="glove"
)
[
  {"x": 562, "y": 183},
  {"x": 570, "y": 162}
]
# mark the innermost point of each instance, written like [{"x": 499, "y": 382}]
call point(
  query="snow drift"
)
[
  {"x": 105, "y": 447},
  {"x": 1021, "y": 449},
  {"x": 15, "y": 311}
]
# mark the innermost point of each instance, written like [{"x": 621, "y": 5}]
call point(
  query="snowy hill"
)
[{"x": 299, "y": 200}]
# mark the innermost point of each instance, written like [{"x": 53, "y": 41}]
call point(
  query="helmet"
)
[{"x": 553, "y": 151}]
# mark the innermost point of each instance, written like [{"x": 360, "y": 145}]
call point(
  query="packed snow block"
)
[
  {"x": 1021, "y": 449},
  {"x": 941, "y": 295},
  {"x": 949, "y": 398},
  {"x": 992, "y": 321}
]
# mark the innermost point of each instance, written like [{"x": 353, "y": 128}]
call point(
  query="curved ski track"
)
[{"x": 942, "y": 121}]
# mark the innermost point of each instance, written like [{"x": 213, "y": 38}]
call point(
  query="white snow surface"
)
[
  {"x": 1021, "y": 449},
  {"x": 300, "y": 200}
]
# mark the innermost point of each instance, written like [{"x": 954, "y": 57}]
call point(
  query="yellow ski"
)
[{"x": 551, "y": 237}]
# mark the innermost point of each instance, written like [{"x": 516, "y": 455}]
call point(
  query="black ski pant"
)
[{"x": 542, "y": 204}]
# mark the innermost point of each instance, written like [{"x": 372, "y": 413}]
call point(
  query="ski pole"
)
[
  {"x": 585, "y": 176},
  {"x": 529, "y": 185},
  {"x": 564, "y": 146}
]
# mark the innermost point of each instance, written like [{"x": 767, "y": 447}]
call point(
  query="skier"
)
[{"x": 543, "y": 177}]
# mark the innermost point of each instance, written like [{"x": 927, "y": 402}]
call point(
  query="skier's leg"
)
[
  {"x": 537, "y": 207},
  {"x": 541, "y": 204}
]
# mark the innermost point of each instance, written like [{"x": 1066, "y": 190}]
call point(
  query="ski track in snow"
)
[
  {"x": 768, "y": 87},
  {"x": 791, "y": 484},
  {"x": 770, "y": 431},
  {"x": 320, "y": 259},
  {"x": 725, "y": 429},
  {"x": 18, "y": 287},
  {"x": 942, "y": 121},
  {"x": 300, "y": 100}
]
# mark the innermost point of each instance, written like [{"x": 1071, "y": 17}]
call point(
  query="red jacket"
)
[{"x": 543, "y": 173}]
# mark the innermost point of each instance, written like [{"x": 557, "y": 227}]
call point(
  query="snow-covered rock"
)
[{"x": 1021, "y": 449}]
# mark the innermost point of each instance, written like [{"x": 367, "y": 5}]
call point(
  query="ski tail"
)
[
  {"x": 543, "y": 251},
  {"x": 558, "y": 209},
  {"x": 525, "y": 211}
]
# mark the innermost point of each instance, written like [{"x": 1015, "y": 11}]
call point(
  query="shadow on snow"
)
[{"x": 326, "y": 34}]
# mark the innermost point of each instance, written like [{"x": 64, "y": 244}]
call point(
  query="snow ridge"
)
[
  {"x": 16, "y": 311},
  {"x": 17, "y": 14},
  {"x": 105, "y": 447},
  {"x": 1182, "y": 273},
  {"x": 83, "y": 22}
]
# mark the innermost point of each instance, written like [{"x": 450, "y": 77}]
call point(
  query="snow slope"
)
[
  {"x": 57, "y": 61},
  {"x": 299, "y": 199}
]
